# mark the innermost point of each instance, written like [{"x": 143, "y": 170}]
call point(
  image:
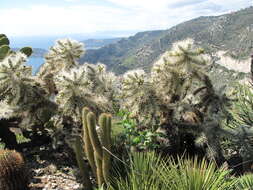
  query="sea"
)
[{"x": 36, "y": 63}]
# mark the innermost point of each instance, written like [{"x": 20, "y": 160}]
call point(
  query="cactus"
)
[
  {"x": 82, "y": 165},
  {"x": 13, "y": 173},
  {"x": 96, "y": 148},
  {"x": 27, "y": 51},
  {"x": 4, "y": 51},
  {"x": 87, "y": 145},
  {"x": 4, "y": 41},
  {"x": 5, "y": 48}
]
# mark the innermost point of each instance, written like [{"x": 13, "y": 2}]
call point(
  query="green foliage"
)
[
  {"x": 150, "y": 171},
  {"x": 141, "y": 139},
  {"x": 245, "y": 182},
  {"x": 196, "y": 174},
  {"x": 241, "y": 124},
  {"x": 13, "y": 174}
]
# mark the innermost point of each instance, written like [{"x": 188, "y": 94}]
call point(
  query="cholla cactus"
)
[
  {"x": 6, "y": 111},
  {"x": 139, "y": 96},
  {"x": 178, "y": 94},
  {"x": 83, "y": 86},
  {"x": 19, "y": 89},
  {"x": 62, "y": 56},
  {"x": 74, "y": 91},
  {"x": 14, "y": 76}
]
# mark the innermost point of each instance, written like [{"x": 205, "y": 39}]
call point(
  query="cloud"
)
[{"x": 115, "y": 15}]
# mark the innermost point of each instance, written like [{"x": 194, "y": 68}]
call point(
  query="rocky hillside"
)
[
  {"x": 98, "y": 43},
  {"x": 232, "y": 33}
]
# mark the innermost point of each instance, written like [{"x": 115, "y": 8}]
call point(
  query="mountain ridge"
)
[{"x": 231, "y": 32}]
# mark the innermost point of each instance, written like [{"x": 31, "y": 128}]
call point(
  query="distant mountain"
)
[
  {"x": 98, "y": 43},
  {"x": 37, "y": 52},
  {"x": 232, "y": 33}
]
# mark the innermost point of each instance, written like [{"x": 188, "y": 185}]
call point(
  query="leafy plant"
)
[{"x": 133, "y": 136}]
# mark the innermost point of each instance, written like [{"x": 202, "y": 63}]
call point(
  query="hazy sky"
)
[{"x": 59, "y": 17}]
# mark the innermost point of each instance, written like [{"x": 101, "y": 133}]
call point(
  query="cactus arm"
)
[
  {"x": 82, "y": 165},
  {"x": 91, "y": 122},
  {"x": 100, "y": 177},
  {"x": 89, "y": 151}
]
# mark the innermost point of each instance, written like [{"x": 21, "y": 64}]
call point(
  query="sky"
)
[{"x": 60, "y": 17}]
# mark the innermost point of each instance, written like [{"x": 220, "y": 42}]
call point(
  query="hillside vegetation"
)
[{"x": 231, "y": 32}]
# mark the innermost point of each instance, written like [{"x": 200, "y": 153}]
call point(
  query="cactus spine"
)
[
  {"x": 96, "y": 148},
  {"x": 13, "y": 173}
]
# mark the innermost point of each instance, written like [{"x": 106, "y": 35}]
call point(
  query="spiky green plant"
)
[
  {"x": 142, "y": 173},
  {"x": 245, "y": 182},
  {"x": 13, "y": 172},
  {"x": 19, "y": 89},
  {"x": 97, "y": 147},
  {"x": 195, "y": 174},
  {"x": 152, "y": 172},
  {"x": 179, "y": 95},
  {"x": 62, "y": 56},
  {"x": 241, "y": 125}
]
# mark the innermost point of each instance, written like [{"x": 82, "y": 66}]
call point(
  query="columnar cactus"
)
[
  {"x": 97, "y": 147},
  {"x": 13, "y": 173},
  {"x": 82, "y": 165}
]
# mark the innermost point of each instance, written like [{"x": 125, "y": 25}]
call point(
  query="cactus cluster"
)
[
  {"x": 5, "y": 49},
  {"x": 97, "y": 146},
  {"x": 13, "y": 173}
]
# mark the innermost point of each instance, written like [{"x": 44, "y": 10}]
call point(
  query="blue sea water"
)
[{"x": 35, "y": 62}]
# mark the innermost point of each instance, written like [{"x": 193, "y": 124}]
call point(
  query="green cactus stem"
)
[
  {"x": 97, "y": 149},
  {"x": 82, "y": 165},
  {"x": 87, "y": 143}
]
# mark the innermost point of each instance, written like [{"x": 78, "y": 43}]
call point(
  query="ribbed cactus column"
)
[
  {"x": 82, "y": 165},
  {"x": 13, "y": 173},
  {"x": 97, "y": 149},
  {"x": 88, "y": 149}
]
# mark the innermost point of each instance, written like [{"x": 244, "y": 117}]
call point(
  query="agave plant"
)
[
  {"x": 152, "y": 172},
  {"x": 141, "y": 174},
  {"x": 245, "y": 182},
  {"x": 195, "y": 174}
]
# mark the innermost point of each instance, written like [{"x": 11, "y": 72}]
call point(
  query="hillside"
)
[
  {"x": 98, "y": 43},
  {"x": 231, "y": 32}
]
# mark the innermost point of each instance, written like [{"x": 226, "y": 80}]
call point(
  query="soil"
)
[{"x": 51, "y": 170}]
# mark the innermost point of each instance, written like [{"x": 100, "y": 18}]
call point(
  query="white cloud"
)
[{"x": 127, "y": 15}]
